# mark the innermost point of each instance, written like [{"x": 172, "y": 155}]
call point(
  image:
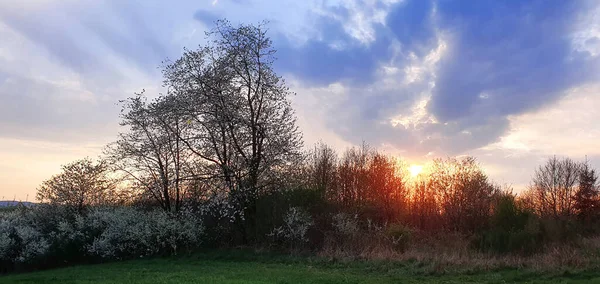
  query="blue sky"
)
[{"x": 510, "y": 82}]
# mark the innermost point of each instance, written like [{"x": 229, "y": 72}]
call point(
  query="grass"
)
[{"x": 244, "y": 267}]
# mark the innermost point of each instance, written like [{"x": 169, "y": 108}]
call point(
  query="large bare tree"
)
[
  {"x": 554, "y": 185},
  {"x": 244, "y": 125},
  {"x": 463, "y": 192},
  {"x": 150, "y": 153}
]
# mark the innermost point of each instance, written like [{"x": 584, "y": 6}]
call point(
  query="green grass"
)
[{"x": 236, "y": 267}]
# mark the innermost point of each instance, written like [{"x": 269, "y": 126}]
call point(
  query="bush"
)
[
  {"x": 22, "y": 241},
  {"x": 399, "y": 235},
  {"x": 513, "y": 229},
  {"x": 46, "y": 235},
  {"x": 345, "y": 224},
  {"x": 293, "y": 232},
  {"x": 126, "y": 232}
]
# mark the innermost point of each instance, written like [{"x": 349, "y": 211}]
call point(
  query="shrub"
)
[
  {"x": 33, "y": 238},
  {"x": 399, "y": 235},
  {"x": 345, "y": 224},
  {"x": 513, "y": 229},
  {"x": 296, "y": 223},
  {"x": 126, "y": 232},
  {"x": 22, "y": 241}
]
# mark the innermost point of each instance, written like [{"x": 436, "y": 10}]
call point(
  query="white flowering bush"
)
[
  {"x": 127, "y": 232},
  {"x": 296, "y": 223},
  {"x": 221, "y": 213},
  {"x": 222, "y": 207},
  {"x": 34, "y": 237},
  {"x": 21, "y": 240}
]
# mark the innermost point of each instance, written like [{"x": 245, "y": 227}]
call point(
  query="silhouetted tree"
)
[
  {"x": 464, "y": 193},
  {"x": 424, "y": 210},
  {"x": 150, "y": 153},
  {"x": 554, "y": 185},
  {"x": 387, "y": 190},
  {"x": 586, "y": 198},
  {"x": 323, "y": 169}
]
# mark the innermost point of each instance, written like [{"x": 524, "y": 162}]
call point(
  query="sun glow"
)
[{"x": 415, "y": 170}]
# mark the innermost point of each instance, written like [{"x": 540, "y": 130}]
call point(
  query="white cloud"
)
[
  {"x": 361, "y": 16},
  {"x": 568, "y": 127}
]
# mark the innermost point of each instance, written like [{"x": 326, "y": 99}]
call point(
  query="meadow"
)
[{"x": 246, "y": 267}]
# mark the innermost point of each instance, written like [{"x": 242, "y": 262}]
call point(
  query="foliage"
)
[
  {"x": 513, "y": 229},
  {"x": 126, "y": 233},
  {"x": 37, "y": 238},
  {"x": 244, "y": 129},
  {"x": 463, "y": 193}
]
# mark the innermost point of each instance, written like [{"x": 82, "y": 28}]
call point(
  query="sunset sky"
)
[{"x": 510, "y": 84}]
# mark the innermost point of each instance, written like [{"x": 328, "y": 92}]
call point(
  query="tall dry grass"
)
[{"x": 454, "y": 252}]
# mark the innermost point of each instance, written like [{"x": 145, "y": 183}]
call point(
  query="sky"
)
[{"x": 509, "y": 82}]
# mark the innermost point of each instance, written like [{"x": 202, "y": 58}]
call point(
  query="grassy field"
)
[{"x": 233, "y": 268}]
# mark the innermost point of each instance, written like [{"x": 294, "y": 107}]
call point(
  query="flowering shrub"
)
[
  {"x": 126, "y": 232},
  {"x": 296, "y": 223},
  {"x": 33, "y": 236},
  {"x": 21, "y": 240}
]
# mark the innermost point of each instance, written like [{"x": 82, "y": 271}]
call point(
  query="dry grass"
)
[{"x": 454, "y": 253}]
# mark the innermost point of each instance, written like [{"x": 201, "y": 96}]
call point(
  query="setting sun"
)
[{"x": 415, "y": 170}]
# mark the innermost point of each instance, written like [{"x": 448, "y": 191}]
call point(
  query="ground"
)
[{"x": 204, "y": 268}]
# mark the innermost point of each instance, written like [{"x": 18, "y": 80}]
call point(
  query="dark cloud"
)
[
  {"x": 516, "y": 54},
  {"x": 412, "y": 23}
]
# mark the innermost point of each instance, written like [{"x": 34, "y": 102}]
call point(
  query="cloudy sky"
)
[{"x": 510, "y": 82}]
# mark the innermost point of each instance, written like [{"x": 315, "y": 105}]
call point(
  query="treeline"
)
[{"x": 218, "y": 161}]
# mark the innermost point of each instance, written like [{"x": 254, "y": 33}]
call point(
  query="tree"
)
[
  {"x": 387, "y": 190},
  {"x": 353, "y": 177},
  {"x": 586, "y": 198},
  {"x": 554, "y": 185},
  {"x": 150, "y": 153},
  {"x": 243, "y": 124},
  {"x": 424, "y": 210},
  {"x": 322, "y": 169},
  {"x": 463, "y": 191},
  {"x": 81, "y": 183}
]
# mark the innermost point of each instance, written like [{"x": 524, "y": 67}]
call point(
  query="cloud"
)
[
  {"x": 347, "y": 42},
  {"x": 412, "y": 23},
  {"x": 507, "y": 58},
  {"x": 499, "y": 59},
  {"x": 419, "y": 77}
]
